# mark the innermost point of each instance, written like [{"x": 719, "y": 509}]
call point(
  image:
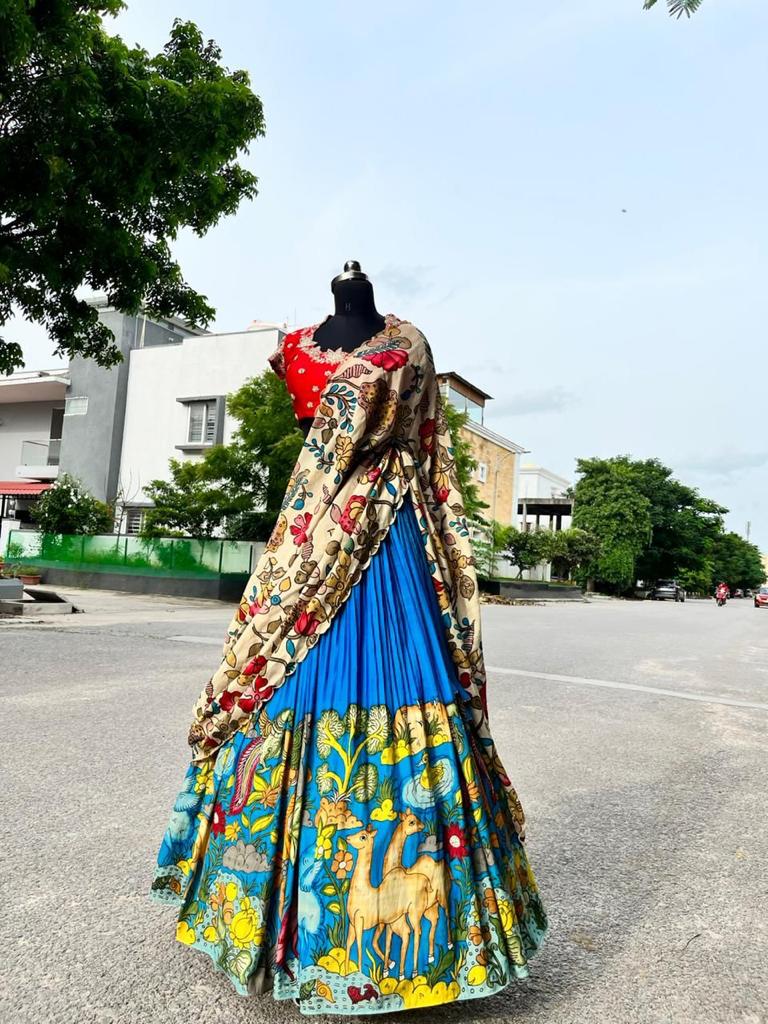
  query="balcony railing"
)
[{"x": 40, "y": 453}]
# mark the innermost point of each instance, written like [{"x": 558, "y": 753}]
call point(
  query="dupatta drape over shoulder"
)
[{"x": 378, "y": 433}]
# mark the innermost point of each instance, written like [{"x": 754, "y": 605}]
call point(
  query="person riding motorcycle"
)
[{"x": 722, "y": 593}]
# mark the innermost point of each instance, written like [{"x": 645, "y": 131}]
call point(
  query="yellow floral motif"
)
[
  {"x": 244, "y": 928},
  {"x": 385, "y": 812},
  {"x": 185, "y": 934},
  {"x": 344, "y": 450},
  {"x": 395, "y": 752},
  {"x": 477, "y": 975},
  {"x": 230, "y": 891},
  {"x": 203, "y": 777},
  {"x": 335, "y": 961},
  {"x": 324, "y": 847},
  {"x": 232, "y": 831},
  {"x": 387, "y": 986},
  {"x": 210, "y": 934},
  {"x": 507, "y": 915}
]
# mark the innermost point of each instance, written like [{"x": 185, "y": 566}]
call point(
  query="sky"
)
[{"x": 569, "y": 199}]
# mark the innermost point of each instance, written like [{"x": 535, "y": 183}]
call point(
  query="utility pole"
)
[{"x": 749, "y": 528}]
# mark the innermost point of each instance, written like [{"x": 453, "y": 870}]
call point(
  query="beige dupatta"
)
[{"x": 379, "y": 433}]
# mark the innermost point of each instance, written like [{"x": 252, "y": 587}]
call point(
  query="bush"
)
[{"x": 66, "y": 508}]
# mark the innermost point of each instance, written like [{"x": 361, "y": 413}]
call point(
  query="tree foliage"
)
[
  {"x": 106, "y": 153},
  {"x": 609, "y": 504},
  {"x": 66, "y": 508},
  {"x": 571, "y": 549},
  {"x": 525, "y": 548},
  {"x": 237, "y": 488},
  {"x": 677, "y": 8},
  {"x": 736, "y": 562},
  {"x": 465, "y": 462},
  {"x": 189, "y": 504},
  {"x": 684, "y": 524}
]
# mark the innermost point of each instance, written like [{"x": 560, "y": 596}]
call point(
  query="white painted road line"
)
[
  {"x": 207, "y": 640},
  {"x": 702, "y": 698}
]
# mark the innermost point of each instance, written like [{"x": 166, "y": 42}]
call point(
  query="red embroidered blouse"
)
[{"x": 305, "y": 367}]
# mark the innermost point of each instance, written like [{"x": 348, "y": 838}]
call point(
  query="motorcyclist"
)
[{"x": 723, "y": 592}]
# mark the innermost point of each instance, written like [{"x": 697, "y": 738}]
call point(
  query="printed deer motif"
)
[
  {"x": 399, "y": 902},
  {"x": 425, "y": 865}
]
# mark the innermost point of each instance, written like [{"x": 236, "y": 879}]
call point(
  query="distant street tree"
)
[
  {"x": 737, "y": 562},
  {"x": 677, "y": 8},
  {"x": 684, "y": 524},
  {"x": 106, "y": 154},
  {"x": 610, "y": 506},
  {"x": 526, "y": 549},
  {"x": 571, "y": 549},
  {"x": 189, "y": 504},
  {"x": 67, "y": 508}
]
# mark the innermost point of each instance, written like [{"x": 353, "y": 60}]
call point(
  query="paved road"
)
[{"x": 647, "y": 812}]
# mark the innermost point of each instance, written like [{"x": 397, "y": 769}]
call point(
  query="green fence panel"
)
[{"x": 162, "y": 556}]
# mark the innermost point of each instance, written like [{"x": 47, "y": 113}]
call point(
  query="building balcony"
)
[{"x": 39, "y": 460}]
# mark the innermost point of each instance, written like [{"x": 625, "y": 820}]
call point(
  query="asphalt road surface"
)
[{"x": 636, "y": 734}]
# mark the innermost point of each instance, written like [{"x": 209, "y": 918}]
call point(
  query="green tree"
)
[
  {"x": 609, "y": 505},
  {"x": 465, "y": 462},
  {"x": 571, "y": 549},
  {"x": 189, "y": 504},
  {"x": 489, "y": 538},
  {"x": 238, "y": 487},
  {"x": 737, "y": 562},
  {"x": 684, "y": 524},
  {"x": 106, "y": 153},
  {"x": 677, "y": 8},
  {"x": 526, "y": 548},
  {"x": 260, "y": 458},
  {"x": 66, "y": 508}
]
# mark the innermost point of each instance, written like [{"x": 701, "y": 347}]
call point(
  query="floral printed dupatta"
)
[{"x": 378, "y": 433}]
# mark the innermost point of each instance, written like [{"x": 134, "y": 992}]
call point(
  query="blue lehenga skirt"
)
[{"x": 353, "y": 850}]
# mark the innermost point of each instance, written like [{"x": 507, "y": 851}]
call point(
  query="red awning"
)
[{"x": 22, "y": 488}]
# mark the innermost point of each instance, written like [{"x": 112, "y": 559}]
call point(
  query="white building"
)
[
  {"x": 543, "y": 501},
  {"x": 32, "y": 405},
  {"x": 176, "y": 404}
]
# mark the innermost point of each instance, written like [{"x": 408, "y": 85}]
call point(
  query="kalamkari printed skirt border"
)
[{"x": 354, "y": 850}]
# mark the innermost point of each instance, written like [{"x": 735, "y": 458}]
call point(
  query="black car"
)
[{"x": 666, "y": 590}]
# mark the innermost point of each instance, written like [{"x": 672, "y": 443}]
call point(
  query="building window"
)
[
  {"x": 482, "y": 472},
  {"x": 134, "y": 520},
  {"x": 202, "y": 422},
  {"x": 464, "y": 404},
  {"x": 75, "y": 406}
]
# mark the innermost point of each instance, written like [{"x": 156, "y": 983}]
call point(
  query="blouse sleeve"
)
[{"x": 277, "y": 359}]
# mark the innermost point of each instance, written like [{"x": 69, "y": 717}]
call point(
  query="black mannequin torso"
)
[{"x": 355, "y": 318}]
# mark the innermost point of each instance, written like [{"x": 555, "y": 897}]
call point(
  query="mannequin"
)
[{"x": 355, "y": 318}]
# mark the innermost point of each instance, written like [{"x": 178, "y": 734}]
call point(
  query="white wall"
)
[
  {"x": 27, "y": 421},
  {"x": 215, "y": 364},
  {"x": 537, "y": 482}
]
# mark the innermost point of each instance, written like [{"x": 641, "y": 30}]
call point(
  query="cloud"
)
[
  {"x": 545, "y": 400},
  {"x": 725, "y": 464},
  {"x": 405, "y": 283}
]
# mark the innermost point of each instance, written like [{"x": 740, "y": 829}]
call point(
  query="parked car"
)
[
  {"x": 666, "y": 590},
  {"x": 738, "y": 593},
  {"x": 761, "y": 597}
]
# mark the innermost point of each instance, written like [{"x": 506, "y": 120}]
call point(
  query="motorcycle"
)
[{"x": 721, "y": 596}]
